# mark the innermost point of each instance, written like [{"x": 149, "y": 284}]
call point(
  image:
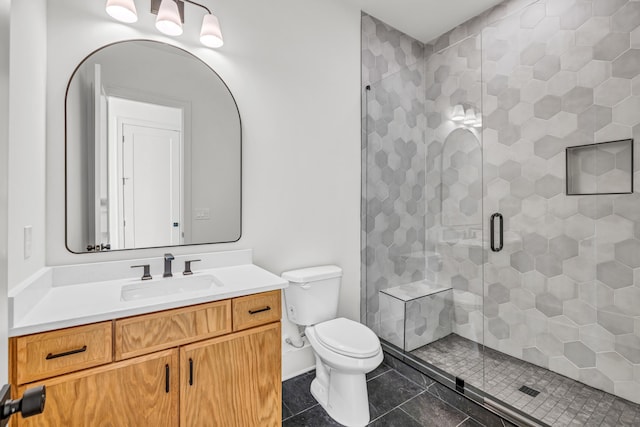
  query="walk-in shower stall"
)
[{"x": 501, "y": 223}]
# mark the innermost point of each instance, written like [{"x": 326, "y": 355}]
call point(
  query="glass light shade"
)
[
  {"x": 168, "y": 20},
  {"x": 470, "y": 117},
  {"x": 478, "y": 123},
  {"x": 122, "y": 10},
  {"x": 458, "y": 113},
  {"x": 210, "y": 34}
]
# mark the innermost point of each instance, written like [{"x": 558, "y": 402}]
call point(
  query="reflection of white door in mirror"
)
[
  {"x": 151, "y": 187},
  {"x": 146, "y": 207}
]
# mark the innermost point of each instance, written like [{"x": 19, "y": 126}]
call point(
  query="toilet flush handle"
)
[{"x": 305, "y": 286}]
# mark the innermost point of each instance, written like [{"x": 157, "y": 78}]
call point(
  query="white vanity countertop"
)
[{"x": 55, "y": 306}]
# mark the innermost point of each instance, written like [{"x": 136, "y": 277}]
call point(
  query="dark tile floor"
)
[
  {"x": 561, "y": 402},
  {"x": 398, "y": 396}
]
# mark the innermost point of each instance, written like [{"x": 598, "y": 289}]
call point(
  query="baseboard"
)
[{"x": 296, "y": 361}]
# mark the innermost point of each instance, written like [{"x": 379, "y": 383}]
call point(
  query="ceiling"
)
[{"x": 424, "y": 19}]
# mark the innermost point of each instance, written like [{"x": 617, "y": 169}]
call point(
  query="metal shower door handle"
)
[{"x": 492, "y": 232}]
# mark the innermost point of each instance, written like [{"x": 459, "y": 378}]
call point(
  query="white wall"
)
[
  {"x": 294, "y": 69},
  {"x": 4, "y": 144},
  {"x": 27, "y": 136}
]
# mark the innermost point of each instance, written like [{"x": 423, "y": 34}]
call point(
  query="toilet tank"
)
[{"x": 312, "y": 295}]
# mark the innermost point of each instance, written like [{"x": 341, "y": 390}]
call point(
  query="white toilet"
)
[{"x": 345, "y": 350}]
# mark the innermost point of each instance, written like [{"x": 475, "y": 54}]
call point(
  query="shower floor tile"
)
[{"x": 561, "y": 402}]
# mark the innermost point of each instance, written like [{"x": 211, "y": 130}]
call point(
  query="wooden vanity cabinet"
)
[{"x": 182, "y": 367}]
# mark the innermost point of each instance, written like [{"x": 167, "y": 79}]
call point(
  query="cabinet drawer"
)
[
  {"x": 59, "y": 352},
  {"x": 152, "y": 332},
  {"x": 254, "y": 310}
]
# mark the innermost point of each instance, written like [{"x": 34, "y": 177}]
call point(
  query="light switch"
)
[{"x": 27, "y": 241}]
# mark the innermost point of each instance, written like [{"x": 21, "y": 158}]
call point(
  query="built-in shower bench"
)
[{"x": 415, "y": 314}]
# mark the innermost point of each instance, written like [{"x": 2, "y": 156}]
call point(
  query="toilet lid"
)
[{"x": 347, "y": 337}]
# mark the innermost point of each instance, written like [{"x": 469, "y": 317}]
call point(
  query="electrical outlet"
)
[
  {"x": 202, "y": 213},
  {"x": 27, "y": 241}
]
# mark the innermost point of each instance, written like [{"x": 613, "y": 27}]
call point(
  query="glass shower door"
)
[
  {"x": 454, "y": 195},
  {"x": 560, "y": 275},
  {"x": 393, "y": 191},
  {"x": 540, "y": 251},
  {"x": 423, "y": 249}
]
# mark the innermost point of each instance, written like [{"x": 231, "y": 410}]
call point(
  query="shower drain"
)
[{"x": 529, "y": 391}]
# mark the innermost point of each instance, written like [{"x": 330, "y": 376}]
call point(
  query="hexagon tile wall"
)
[{"x": 565, "y": 291}]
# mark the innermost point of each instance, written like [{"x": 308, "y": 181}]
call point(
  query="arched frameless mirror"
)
[{"x": 153, "y": 151}]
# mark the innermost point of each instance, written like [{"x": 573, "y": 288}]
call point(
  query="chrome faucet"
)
[{"x": 167, "y": 265}]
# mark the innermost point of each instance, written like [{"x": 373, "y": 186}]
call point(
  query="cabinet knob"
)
[
  {"x": 66, "y": 353},
  {"x": 260, "y": 310},
  {"x": 167, "y": 377}
]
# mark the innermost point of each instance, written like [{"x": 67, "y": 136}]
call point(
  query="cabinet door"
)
[
  {"x": 138, "y": 392},
  {"x": 232, "y": 381}
]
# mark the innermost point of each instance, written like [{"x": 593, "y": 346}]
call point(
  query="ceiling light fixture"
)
[
  {"x": 170, "y": 18},
  {"x": 210, "y": 34},
  {"x": 169, "y": 21},
  {"x": 122, "y": 10}
]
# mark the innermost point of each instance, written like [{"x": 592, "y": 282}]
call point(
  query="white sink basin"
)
[{"x": 168, "y": 286}]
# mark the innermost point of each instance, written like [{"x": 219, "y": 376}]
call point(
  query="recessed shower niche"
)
[{"x": 602, "y": 168}]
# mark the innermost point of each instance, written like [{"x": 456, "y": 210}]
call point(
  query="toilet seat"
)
[{"x": 348, "y": 338}]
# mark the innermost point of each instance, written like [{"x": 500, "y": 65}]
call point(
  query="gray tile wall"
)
[
  {"x": 565, "y": 291},
  {"x": 393, "y": 162},
  {"x": 453, "y": 188},
  {"x": 385, "y": 50}
]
